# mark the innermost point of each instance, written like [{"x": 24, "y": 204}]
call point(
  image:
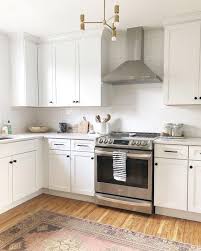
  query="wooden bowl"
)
[{"x": 38, "y": 129}]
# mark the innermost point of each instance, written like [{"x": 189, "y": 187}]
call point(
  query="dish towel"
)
[{"x": 119, "y": 166}]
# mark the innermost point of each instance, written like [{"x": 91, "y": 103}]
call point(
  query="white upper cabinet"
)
[
  {"x": 182, "y": 64},
  {"x": 90, "y": 71},
  {"x": 24, "y": 57},
  {"x": 65, "y": 72},
  {"x": 45, "y": 75},
  {"x": 70, "y": 70}
]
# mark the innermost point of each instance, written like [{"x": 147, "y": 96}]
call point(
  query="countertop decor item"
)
[
  {"x": 105, "y": 21},
  {"x": 38, "y": 129},
  {"x": 63, "y": 127},
  {"x": 102, "y": 125},
  {"x": 83, "y": 126},
  {"x": 173, "y": 130}
]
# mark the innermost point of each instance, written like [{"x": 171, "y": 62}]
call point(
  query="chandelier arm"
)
[
  {"x": 104, "y": 18},
  {"x": 93, "y": 22},
  {"x": 109, "y": 26}
]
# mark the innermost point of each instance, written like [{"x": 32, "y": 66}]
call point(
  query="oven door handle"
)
[{"x": 129, "y": 155}]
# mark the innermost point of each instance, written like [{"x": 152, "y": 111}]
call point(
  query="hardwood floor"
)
[{"x": 166, "y": 227}]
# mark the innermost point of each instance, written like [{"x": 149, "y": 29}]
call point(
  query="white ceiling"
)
[{"x": 50, "y": 17}]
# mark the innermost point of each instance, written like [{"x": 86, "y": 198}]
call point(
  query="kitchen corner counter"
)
[
  {"x": 30, "y": 136},
  {"x": 185, "y": 141}
]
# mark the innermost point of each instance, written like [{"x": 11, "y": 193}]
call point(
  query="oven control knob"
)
[
  {"x": 133, "y": 143},
  {"x": 105, "y": 141},
  {"x": 144, "y": 143},
  {"x": 100, "y": 140},
  {"x": 137, "y": 143},
  {"x": 110, "y": 141}
]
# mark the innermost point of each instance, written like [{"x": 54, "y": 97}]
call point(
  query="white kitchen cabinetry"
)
[
  {"x": 66, "y": 72},
  {"x": 182, "y": 63},
  {"x": 170, "y": 189},
  {"x": 194, "y": 187},
  {"x": 5, "y": 182},
  {"x": 47, "y": 89},
  {"x": 90, "y": 72},
  {"x": 72, "y": 75},
  {"x": 59, "y": 170},
  {"x": 82, "y": 173},
  {"x": 24, "y": 175},
  {"x": 24, "y": 63}
]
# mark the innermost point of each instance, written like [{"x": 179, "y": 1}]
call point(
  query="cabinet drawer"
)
[
  {"x": 195, "y": 152},
  {"x": 58, "y": 144},
  {"x": 82, "y": 145},
  {"x": 171, "y": 151}
]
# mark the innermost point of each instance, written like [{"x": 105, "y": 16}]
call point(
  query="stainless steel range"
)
[{"x": 135, "y": 193}]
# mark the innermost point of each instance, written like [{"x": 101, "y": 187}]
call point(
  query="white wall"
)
[
  {"x": 20, "y": 117},
  {"x": 134, "y": 107}
]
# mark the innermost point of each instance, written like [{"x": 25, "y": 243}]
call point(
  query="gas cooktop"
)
[{"x": 130, "y": 140}]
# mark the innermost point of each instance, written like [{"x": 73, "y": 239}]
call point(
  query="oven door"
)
[{"x": 139, "y": 173}]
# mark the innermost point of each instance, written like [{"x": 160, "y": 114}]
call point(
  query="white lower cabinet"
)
[
  {"x": 170, "y": 183},
  {"x": 5, "y": 182},
  {"x": 82, "y": 173},
  {"x": 59, "y": 170},
  {"x": 24, "y": 175},
  {"x": 194, "y": 186}
]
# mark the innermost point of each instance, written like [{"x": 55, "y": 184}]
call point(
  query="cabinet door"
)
[
  {"x": 194, "y": 187},
  {"x": 182, "y": 59},
  {"x": 82, "y": 173},
  {"x": 31, "y": 73},
  {"x": 5, "y": 182},
  {"x": 45, "y": 75},
  {"x": 59, "y": 171},
  {"x": 90, "y": 71},
  {"x": 24, "y": 175},
  {"x": 170, "y": 183},
  {"x": 65, "y": 72}
]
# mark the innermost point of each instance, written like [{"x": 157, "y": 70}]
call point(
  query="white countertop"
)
[
  {"x": 185, "y": 141},
  {"x": 29, "y": 136}
]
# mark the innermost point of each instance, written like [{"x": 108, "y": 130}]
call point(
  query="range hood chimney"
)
[{"x": 133, "y": 70}]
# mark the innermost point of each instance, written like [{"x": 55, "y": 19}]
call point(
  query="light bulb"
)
[{"x": 114, "y": 39}]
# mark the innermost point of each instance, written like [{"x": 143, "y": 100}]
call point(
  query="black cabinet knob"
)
[
  {"x": 92, "y": 158},
  {"x": 199, "y": 97},
  {"x": 191, "y": 167},
  {"x": 156, "y": 164},
  {"x": 77, "y": 101},
  {"x": 195, "y": 98},
  {"x": 51, "y": 102},
  {"x": 68, "y": 156},
  {"x": 10, "y": 162},
  {"x": 15, "y": 161}
]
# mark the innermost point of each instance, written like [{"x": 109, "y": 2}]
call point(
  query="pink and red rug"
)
[{"x": 47, "y": 231}]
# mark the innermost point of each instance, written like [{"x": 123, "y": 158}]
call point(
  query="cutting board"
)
[{"x": 83, "y": 126}]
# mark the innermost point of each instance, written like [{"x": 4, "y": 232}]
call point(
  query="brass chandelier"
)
[{"x": 114, "y": 20}]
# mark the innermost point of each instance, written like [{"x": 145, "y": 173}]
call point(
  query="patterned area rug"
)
[{"x": 47, "y": 231}]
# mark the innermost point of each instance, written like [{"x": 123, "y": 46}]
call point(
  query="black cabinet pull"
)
[
  {"x": 77, "y": 101},
  {"x": 92, "y": 158},
  {"x": 10, "y": 162},
  {"x": 156, "y": 164},
  {"x": 51, "y": 102},
  {"x": 15, "y": 161},
  {"x": 191, "y": 167},
  {"x": 73, "y": 101},
  {"x": 199, "y": 97},
  {"x": 195, "y": 98},
  {"x": 68, "y": 156}
]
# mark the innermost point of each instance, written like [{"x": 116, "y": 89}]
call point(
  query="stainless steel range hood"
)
[{"x": 133, "y": 70}]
